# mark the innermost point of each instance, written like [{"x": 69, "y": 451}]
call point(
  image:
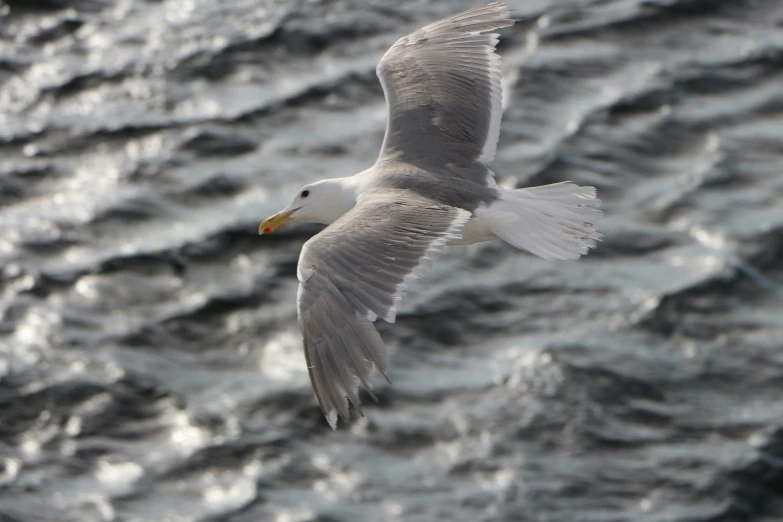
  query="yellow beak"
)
[{"x": 272, "y": 223}]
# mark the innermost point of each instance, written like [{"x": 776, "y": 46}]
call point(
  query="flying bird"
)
[{"x": 430, "y": 187}]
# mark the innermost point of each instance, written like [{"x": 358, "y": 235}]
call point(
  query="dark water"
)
[{"x": 150, "y": 365}]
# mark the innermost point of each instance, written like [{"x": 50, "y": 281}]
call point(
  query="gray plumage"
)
[
  {"x": 430, "y": 187},
  {"x": 443, "y": 94},
  {"x": 355, "y": 271}
]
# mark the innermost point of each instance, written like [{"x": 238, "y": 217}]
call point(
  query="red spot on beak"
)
[{"x": 268, "y": 230}]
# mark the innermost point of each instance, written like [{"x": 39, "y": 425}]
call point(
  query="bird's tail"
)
[{"x": 555, "y": 221}]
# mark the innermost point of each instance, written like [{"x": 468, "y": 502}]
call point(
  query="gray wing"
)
[
  {"x": 443, "y": 92},
  {"x": 355, "y": 271}
]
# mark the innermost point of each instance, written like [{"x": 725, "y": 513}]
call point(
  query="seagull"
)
[{"x": 430, "y": 187}]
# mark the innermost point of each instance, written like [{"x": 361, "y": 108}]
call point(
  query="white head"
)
[{"x": 320, "y": 202}]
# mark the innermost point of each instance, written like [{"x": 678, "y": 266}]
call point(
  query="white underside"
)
[
  {"x": 552, "y": 221},
  {"x": 478, "y": 229}
]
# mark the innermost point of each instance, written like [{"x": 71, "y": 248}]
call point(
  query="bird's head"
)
[{"x": 320, "y": 202}]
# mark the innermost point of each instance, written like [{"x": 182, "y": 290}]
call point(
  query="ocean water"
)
[{"x": 150, "y": 361}]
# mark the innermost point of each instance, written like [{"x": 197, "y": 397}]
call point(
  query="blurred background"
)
[{"x": 150, "y": 360}]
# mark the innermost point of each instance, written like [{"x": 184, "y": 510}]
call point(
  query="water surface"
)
[{"x": 150, "y": 361}]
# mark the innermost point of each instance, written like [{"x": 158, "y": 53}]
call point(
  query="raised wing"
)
[
  {"x": 355, "y": 271},
  {"x": 443, "y": 92}
]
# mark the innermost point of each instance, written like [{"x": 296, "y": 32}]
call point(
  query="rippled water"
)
[{"x": 150, "y": 362}]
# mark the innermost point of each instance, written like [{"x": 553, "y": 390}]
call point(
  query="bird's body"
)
[{"x": 431, "y": 186}]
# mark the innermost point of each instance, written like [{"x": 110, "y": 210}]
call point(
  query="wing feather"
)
[
  {"x": 443, "y": 91},
  {"x": 355, "y": 271}
]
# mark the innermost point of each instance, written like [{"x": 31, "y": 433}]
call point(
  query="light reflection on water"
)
[{"x": 150, "y": 361}]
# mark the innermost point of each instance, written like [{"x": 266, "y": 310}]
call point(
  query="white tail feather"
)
[{"x": 552, "y": 221}]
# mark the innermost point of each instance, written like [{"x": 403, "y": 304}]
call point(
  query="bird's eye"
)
[{"x": 305, "y": 193}]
